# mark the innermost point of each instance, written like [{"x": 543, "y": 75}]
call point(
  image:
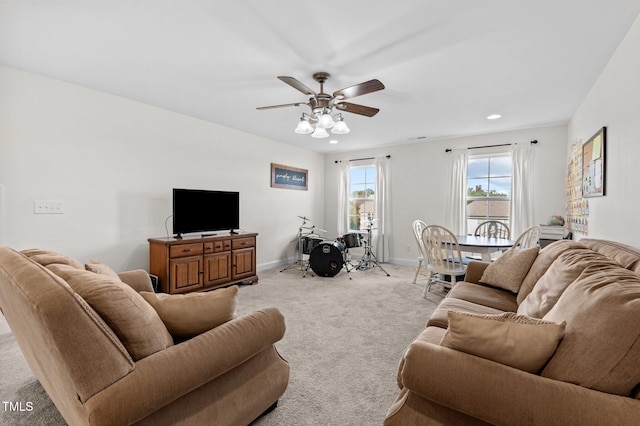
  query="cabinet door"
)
[
  {"x": 217, "y": 268},
  {"x": 185, "y": 274},
  {"x": 244, "y": 263}
]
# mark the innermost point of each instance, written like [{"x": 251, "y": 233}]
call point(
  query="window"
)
[
  {"x": 488, "y": 189},
  {"x": 362, "y": 196}
]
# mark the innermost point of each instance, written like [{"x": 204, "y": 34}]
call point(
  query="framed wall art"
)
[
  {"x": 289, "y": 177},
  {"x": 594, "y": 165}
]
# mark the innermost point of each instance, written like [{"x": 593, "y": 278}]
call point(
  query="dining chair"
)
[
  {"x": 442, "y": 256},
  {"x": 492, "y": 229},
  {"x": 418, "y": 226},
  {"x": 529, "y": 238}
]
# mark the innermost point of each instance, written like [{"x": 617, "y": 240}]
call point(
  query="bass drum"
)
[{"x": 326, "y": 258}]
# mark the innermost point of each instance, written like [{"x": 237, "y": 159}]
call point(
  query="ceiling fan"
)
[{"x": 322, "y": 105}]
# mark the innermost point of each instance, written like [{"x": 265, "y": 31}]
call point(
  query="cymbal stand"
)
[
  {"x": 299, "y": 250},
  {"x": 369, "y": 259}
]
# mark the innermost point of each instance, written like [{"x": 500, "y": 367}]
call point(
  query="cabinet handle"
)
[{"x": 186, "y": 250}]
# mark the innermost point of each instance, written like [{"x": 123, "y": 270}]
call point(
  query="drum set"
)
[{"x": 328, "y": 257}]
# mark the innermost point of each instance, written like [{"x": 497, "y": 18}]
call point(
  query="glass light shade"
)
[
  {"x": 340, "y": 128},
  {"x": 319, "y": 133},
  {"x": 325, "y": 121},
  {"x": 304, "y": 128}
]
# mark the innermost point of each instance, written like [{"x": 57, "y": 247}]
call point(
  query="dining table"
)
[{"x": 483, "y": 245}]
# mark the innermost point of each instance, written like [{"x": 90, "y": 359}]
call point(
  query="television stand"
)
[{"x": 200, "y": 263}]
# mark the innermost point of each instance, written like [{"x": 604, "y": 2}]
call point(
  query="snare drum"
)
[
  {"x": 326, "y": 258},
  {"x": 352, "y": 240}
]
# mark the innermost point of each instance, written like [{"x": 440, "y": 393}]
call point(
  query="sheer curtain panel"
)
[
  {"x": 456, "y": 209},
  {"x": 381, "y": 247},
  {"x": 343, "y": 198},
  {"x": 521, "y": 188}
]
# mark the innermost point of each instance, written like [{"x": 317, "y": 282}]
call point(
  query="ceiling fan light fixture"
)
[
  {"x": 325, "y": 121},
  {"x": 319, "y": 132},
  {"x": 340, "y": 128},
  {"x": 322, "y": 105},
  {"x": 304, "y": 127}
]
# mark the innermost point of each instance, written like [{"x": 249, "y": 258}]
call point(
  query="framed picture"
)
[
  {"x": 594, "y": 165},
  {"x": 289, "y": 177}
]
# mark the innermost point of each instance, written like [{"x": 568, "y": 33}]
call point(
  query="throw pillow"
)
[
  {"x": 187, "y": 315},
  {"x": 510, "y": 339},
  {"x": 508, "y": 271},
  {"x": 136, "y": 324},
  {"x": 100, "y": 268}
]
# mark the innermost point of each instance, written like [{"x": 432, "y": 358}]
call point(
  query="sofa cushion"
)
[
  {"x": 98, "y": 267},
  {"x": 48, "y": 257},
  {"x": 510, "y": 339},
  {"x": 440, "y": 317},
  {"x": 628, "y": 257},
  {"x": 484, "y": 295},
  {"x": 601, "y": 346},
  {"x": 508, "y": 271},
  {"x": 567, "y": 267},
  {"x": 545, "y": 258},
  {"x": 133, "y": 320},
  {"x": 187, "y": 315}
]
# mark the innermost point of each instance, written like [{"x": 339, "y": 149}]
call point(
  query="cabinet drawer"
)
[
  {"x": 182, "y": 250},
  {"x": 217, "y": 246},
  {"x": 240, "y": 243}
]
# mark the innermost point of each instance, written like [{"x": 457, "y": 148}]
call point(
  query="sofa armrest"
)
[
  {"x": 499, "y": 394},
  {"x": 475, "y": 269},
  {"x": 163, "y": 377},
  {"x": 137, "y": 279}
]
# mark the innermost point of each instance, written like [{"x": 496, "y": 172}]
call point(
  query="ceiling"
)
[{"x": 446, "y": 65}]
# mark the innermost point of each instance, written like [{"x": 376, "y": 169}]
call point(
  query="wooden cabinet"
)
[{"x": 203, "y": 263}]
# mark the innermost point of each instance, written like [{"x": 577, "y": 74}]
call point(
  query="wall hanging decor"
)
[
  {"x": 289, "y": 177},
  {"x": 593, "y": 165}
]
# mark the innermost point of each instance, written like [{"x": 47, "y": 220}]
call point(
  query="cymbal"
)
[{"x": 304, "y": 218}]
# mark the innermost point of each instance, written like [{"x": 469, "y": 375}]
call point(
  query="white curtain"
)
[
  {"x": 456, "y": 209},
  {"x": 383, "y": 225},
  {"x": 343, "y": 199},
  {"x": 521, "y": 188}
]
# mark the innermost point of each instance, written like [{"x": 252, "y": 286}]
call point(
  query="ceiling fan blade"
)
[
  {"x": 297, "y": 85},
  {"x": 357, "y": 109},
  {"x": 282, "y": 105},
  {"x": 359, "y": 89}
]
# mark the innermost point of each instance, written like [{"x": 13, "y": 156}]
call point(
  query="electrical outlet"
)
[{"x": 48, "y": 207}]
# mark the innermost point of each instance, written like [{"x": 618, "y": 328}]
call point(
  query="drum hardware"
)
[
  {"x": 369, "y": 259},
  {"x": 305, "y": 240}
]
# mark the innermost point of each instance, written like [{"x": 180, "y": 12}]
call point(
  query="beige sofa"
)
[
  {"x": 98, "y": 373},
  {"x": 592, "y": 378}
]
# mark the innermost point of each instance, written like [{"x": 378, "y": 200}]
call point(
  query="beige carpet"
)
[{"x": 343, "y": 342}]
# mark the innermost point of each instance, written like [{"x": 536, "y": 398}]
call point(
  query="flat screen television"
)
[{"x": 196, "y": 210}]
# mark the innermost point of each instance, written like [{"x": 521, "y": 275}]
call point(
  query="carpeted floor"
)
[{"x": 343, "y": 342}]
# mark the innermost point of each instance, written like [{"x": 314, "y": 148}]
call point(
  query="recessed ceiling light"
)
[
  {"x": 333, "y": 141},
  {"x": 493, "y": 116}
]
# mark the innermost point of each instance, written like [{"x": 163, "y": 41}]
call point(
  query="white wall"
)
[
  {"x": 114, "y": 163},
  {"x": 614, "y": 102},
  {"x": 419, "y": 176}
]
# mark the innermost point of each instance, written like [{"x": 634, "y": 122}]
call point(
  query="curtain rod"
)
[
  {"x": 535, "y": 141},
  {"x": 359, "y": 159}
]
